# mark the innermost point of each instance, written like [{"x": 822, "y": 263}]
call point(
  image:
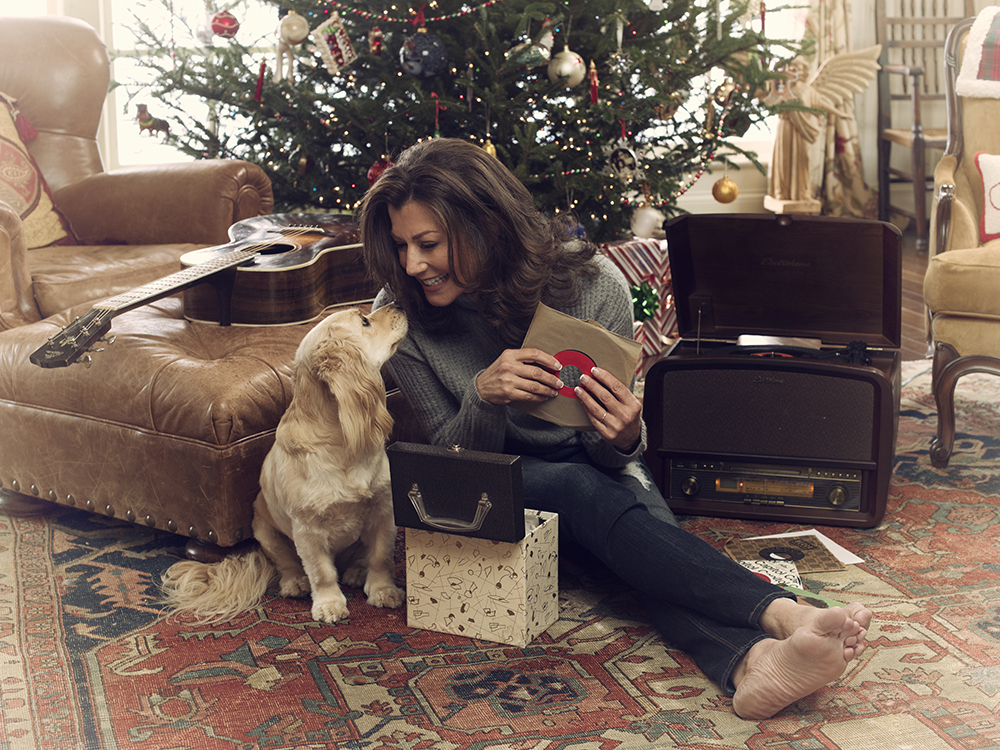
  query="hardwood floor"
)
[{"x": 914, "y": 338}]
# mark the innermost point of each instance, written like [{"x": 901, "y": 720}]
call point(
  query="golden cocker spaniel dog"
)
[{"x": 325, "y": 501}]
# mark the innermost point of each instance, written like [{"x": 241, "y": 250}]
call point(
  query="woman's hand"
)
[
  {"x": 520, "y": 375},
  {"x": 613, "y": 409}
]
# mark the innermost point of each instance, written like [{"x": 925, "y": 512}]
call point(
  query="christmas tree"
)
[{"x": 598, "y": 106}]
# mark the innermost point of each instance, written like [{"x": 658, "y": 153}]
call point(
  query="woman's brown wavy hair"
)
[{"x": 510, "y": 256}]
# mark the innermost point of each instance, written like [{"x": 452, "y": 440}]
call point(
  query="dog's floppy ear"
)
[{"x": 360, "y": 392}]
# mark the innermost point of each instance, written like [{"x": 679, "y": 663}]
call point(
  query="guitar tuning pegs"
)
[
  {"x": 108, "y": 339},
  {"x": 85, "y": 360}
]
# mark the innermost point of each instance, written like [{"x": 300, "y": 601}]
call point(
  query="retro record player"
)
[{"x": 780, "y": 399}]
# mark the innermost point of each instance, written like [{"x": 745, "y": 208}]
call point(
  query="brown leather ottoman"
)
[{"x": 167, "y": 427}]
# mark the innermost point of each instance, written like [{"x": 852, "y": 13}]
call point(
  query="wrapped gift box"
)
[
  {"x": 646, "y": 260},
  {"x": 506, "y": 592}
]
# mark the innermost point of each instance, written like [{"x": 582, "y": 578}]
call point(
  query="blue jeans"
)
[{"x": 701, "y": 601}]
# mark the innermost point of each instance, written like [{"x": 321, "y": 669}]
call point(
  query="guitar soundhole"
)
[{"x": 275, "y": 249}]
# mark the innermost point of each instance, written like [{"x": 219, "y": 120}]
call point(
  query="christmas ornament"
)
[
  {"x": 375, "y": 41},
  {"x": 725, "y": 190},
  {"x": 149, "y": 123},
  {"x": 665, "y": 110},
  {"x": 647, "y": 222},
  {"x": 619, "y": 64},
  {"x": 260, "y": 81},
  {"x": 438, "y": 106},
  {"x": 204, "y": 33},
  {"x": 224, "y": 24},
  {"x": 532, "y": 54},
  {"x": 623, "y": 163},
  {"x": 301, "y": 161},
  {"x": 375, "y": 170},
  {"x": 470, "y": 78},
  {"x": 334, "y": 45},
  {"x": 489, "y": 148},
  {"x": 568, "y": 67},
  {"x": 592, "y": 75},
  {"x": 724, "y": 93},
  {"x": 645, "y": 301},
  {"x": 292, "y": 30},
  {"x": 423, "y": 55},
  {"x": 528, "y": 54}
]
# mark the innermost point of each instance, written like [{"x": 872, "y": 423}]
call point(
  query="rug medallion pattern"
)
[{"x": 88, "y": 661}]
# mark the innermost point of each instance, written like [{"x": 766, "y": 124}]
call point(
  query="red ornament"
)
[
  {"x": 375, "y": 41},
  {"x": 225, "y": 24},
  {"x": 375, "y": 170},
  {"x": 260, "y": 81}
]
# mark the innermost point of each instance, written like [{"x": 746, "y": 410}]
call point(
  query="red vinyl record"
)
[{"x": 573, "y": 358}]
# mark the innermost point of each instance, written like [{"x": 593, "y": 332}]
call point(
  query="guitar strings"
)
[{"x": 105, "y": 310}]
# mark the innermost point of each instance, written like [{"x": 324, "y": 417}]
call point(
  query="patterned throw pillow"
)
[
  {"x": 989, "y": 170},
  {"x": 23, "y": 187}
]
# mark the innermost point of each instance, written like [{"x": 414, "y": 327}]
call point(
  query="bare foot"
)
[
  {"x": 784, "y": 616},
  {"x": 854, "y": 645},
  {"x": 776, "y": 673}
]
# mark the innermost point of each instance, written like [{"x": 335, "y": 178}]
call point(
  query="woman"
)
[{"x": 459, "y": 245}]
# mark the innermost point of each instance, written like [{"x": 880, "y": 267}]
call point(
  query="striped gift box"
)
[{"x": 646, "y": 260}]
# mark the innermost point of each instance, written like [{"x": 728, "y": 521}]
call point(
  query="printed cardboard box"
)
[{"x": 506, "y": 592}]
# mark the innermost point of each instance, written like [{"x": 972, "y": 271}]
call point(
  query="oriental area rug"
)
[{"x": 87, "y": 659}]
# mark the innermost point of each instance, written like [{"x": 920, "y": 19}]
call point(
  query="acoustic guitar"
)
[{"x": 277, "y": 270}]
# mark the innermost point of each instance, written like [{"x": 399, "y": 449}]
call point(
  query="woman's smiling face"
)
[{"x": 422, "y": 245}]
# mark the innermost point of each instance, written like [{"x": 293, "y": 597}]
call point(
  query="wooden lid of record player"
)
[{"x": 835, "y": 279}]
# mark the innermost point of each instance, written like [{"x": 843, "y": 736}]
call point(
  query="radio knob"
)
[
  {"x": 690, "y": 486},
  {"x": 837, "y": 495}
]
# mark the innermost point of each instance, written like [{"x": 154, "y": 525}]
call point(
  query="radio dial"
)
[
  {"x": 690, "y": 486},
  {"x": 837, "y": 495}
]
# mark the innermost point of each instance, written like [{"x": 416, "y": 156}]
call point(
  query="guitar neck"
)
[
  {"x": 177, "y": 282},
  {"x": 70, "y": 344}
]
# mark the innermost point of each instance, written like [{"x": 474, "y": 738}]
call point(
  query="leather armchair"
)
[
  {"x": 962, "y": 283},
  {"x": 169, "y": 425}
]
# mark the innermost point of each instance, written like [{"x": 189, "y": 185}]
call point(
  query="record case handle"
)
[{"x": 450, "y": 524}]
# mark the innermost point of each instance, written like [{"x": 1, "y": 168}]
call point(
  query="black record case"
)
[
  {"x": 457, "y": 491},
  {"x": 798, "y": 423}
]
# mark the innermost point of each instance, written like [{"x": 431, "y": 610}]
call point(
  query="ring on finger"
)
[{"x": 605, "y": 416}]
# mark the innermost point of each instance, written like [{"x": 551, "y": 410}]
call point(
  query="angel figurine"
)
[{"x": 836, "y": 80}]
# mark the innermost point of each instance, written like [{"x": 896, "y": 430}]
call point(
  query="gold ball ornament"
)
[
  {"x": 489, "y": 148},
  {"x": 725, "y": 190}
]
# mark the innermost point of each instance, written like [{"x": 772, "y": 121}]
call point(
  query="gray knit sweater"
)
[{"x": 437, "y": 373}]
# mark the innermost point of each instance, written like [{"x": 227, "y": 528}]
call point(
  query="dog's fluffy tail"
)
[{"x": 206, "y": 594}]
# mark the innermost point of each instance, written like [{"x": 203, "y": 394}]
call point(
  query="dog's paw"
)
[
  {"x": 390, "y": 597},
  {"x": 297, "y": 587},
  {"x": 330, "y": 610},
  {"x": 355, "y": 576}
]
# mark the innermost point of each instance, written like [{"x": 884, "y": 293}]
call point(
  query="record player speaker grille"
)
[{"x": 768, "y": 412}]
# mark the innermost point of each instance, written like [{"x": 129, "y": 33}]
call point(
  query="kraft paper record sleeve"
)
[{"x": 578, "y": 345}]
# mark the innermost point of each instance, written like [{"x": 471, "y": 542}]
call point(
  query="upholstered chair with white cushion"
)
[{"x": 962, "y": 284}]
